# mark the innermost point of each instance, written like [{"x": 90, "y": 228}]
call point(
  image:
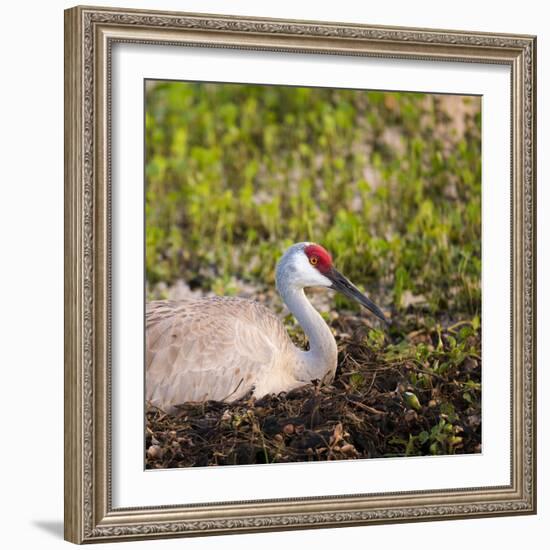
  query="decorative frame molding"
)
[{"x": 89, "y": 35}]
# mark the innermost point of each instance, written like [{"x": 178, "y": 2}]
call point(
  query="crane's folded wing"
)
[{"x": 208, "y": 349}]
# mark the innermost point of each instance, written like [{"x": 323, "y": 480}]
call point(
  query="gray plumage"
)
[
  {"x": 214, "y": 348},
  {"x": 223, "y": 348}
]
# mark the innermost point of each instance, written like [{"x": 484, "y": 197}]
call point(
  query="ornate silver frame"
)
[{"x": 89, "y": 35}]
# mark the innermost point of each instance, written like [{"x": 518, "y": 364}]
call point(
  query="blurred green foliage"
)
[{"x": 390, "y": 183}]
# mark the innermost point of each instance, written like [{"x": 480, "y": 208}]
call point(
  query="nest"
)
[{"x": 374, "y": 408}]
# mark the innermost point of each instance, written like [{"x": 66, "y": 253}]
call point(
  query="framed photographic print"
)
[{"x": 300, "y": 274}]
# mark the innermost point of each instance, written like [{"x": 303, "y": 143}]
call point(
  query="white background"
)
[{"x": 31, "y": 214}]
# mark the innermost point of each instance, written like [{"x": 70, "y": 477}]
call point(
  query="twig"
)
[{"x": 365, "y": 407}]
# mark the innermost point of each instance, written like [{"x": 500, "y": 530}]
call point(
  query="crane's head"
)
[{"x": 309, "y": 265}]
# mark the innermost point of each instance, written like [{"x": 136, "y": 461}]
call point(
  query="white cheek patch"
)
[
  {"x": 307, "y": 275},
  {"x": 323, "y": 281}
]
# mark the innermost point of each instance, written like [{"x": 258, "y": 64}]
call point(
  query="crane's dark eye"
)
[{"x": 313, "y": 260}]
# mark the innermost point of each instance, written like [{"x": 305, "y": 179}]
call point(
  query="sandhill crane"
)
[{"x": 222, "y": 348}]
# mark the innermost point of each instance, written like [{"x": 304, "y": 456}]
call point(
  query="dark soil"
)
[{"x": 381, "y": 404}]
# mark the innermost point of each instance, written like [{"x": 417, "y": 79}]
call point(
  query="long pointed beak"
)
[{"x": 343, "y": 285}]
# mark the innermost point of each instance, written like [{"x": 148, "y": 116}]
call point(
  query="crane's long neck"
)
[{"x": 321, "y": 359}]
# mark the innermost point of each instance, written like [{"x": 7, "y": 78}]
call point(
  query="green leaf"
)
[
  {"x": 423, "y": 437},
  {"x": 412, "y": 400}
]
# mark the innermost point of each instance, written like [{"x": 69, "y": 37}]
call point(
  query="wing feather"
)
[{"x": 215, "y": 348}]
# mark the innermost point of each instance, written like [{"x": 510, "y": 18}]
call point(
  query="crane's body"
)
[{"x": 223, "y": 348}]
